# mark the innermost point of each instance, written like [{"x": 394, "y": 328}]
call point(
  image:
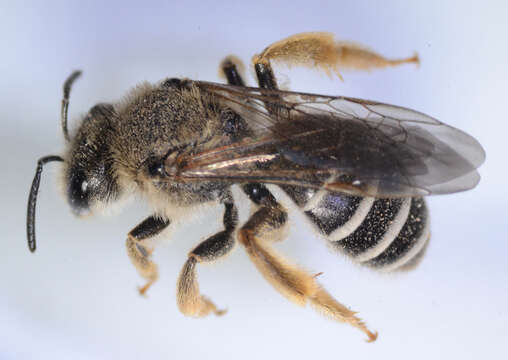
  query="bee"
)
[{"x": 359, "y": 170}]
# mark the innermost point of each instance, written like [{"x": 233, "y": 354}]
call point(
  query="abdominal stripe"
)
[{"x": 384, "y": 234}]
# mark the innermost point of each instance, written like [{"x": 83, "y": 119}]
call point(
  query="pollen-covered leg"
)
[
  {"x": 322, "y": 51},
  {"x": 291, "y": 281},
  {"x": 140, "y": 254},
  {"x": 189, "y": 300}
]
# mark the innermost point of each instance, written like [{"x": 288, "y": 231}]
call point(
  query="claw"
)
[
  {"x": 372, "y": 336},
  {"x": 221, "y": 312},
  {"x": 143, "y": 289}
]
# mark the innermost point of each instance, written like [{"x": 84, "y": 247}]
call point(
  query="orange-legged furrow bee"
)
[{"x": 358, "y": 169}]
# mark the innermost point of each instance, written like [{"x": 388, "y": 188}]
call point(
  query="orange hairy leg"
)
[{"x": 294, "y": 283}]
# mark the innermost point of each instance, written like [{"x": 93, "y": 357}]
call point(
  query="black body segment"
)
[
  {"x": 221, "y": 243},
  {"x": 151, "y": 226},
  {"x": 266, "y": 78},
  {"x": 231, "y": 73},
  {"x": 333, "y": 212},
  {"x": 410, "y": 241},
  {"x": 383, "y": 216},
  {"x": 258, "y": 193},
  {"x": 385, "y": 234}
]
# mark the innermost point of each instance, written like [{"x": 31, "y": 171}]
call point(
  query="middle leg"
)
[
  {"x": 232, "y": 68},
  {"x": 189, "y": 300}
]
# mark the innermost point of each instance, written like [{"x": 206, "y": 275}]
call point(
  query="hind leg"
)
[
  {"x": 320, "y": 50},
  {"x": 291, "y": 281}
]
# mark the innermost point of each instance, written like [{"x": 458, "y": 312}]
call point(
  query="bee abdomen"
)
[{"x": 385, "y": 234}]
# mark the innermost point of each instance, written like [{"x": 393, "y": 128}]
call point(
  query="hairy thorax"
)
[{"x": 153, "y": 120}]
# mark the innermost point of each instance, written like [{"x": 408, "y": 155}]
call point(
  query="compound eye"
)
[{"x": 79, "y": 192}]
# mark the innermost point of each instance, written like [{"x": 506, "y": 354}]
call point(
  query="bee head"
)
[{"x": 89, "y": 178}]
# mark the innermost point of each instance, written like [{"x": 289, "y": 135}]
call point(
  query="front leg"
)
[
  {"x": 139, "y": 253},
  {"x": 189, "y": 300}
]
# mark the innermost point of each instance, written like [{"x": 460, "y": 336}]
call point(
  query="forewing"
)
[{"x": 339, "y": 143}]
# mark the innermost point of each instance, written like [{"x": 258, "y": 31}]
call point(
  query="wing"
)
[{"x": 337, "y": 143}]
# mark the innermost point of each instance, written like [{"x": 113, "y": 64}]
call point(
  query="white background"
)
[{"x": 76, "y": 296}]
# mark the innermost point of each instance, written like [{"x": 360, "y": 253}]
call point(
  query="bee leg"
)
[
  {"x": 267, "y": 80},
  {"x": 232, "y": 69},
  {"x": 139, "y": 253},
  {"x": 189, "y": 300},
  {"x": 264, "y": 73},
  {"x": 291, "y": 281},
  {"x": 320, "y": 50}
]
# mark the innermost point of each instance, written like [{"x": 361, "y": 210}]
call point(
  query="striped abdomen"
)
[{"x": 385, "y": 234}]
